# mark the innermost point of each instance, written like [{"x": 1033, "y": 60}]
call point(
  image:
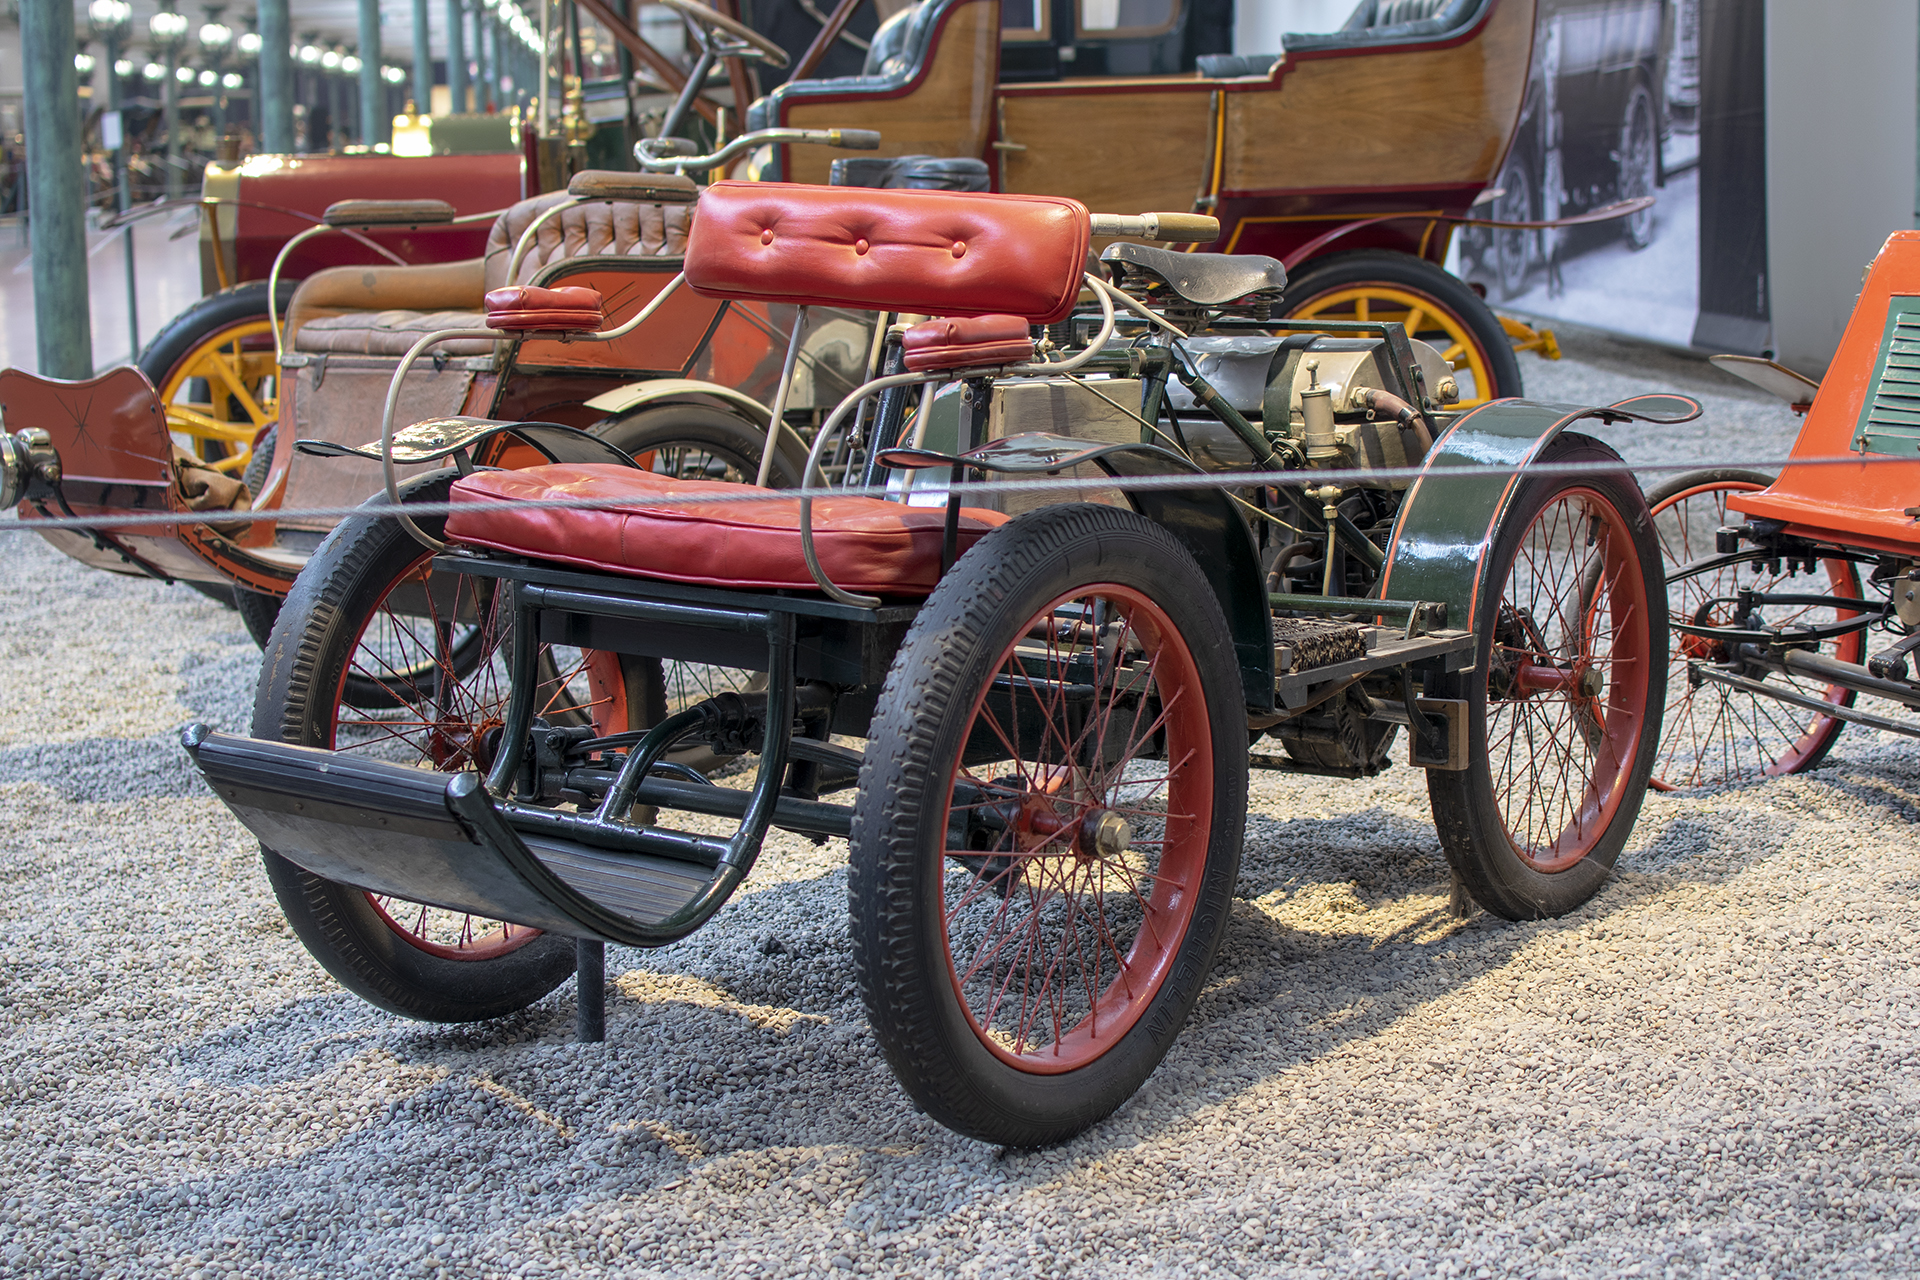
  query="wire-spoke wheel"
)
[
  {"x": 1048, "y": 824},
  {"x": 1378, "y": 286},
  {"x": 1564, "y": 699},
  {"x": 213, "y": 366},
  {"x": 1639, "y": 164},
  {"x": 1713, "y": 735},
  {"x": 379, "y": 655}
]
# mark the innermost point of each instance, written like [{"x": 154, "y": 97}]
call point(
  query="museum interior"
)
[{"x": 959, "y": 637}]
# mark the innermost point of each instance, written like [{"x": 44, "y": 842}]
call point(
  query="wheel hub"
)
[{"x": 1104, "y": 834}]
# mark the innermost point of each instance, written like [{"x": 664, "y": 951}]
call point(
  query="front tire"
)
[
  {"x": 1639, "y": 163},
  {"x": 369, "y": 610},
  {"x": 1564, "y": 699},
  {"x": 213, "y": 366},
  {"x": 1046, "y": 838}
]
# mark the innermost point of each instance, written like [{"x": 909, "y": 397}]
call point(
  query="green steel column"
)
[
  {"x": 276, "y": 78},
  {"x": 456, "y": 56},
  {"x": 422, "y": 59},
  {"x": 376, "y": 124},
  {"x": 484, "y": 60},
  {"x": 56, "y": 190},
  {"x": 170, "y": 120}
]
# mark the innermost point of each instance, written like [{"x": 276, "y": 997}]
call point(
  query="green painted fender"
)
[{"x": 1446, "y": 526}]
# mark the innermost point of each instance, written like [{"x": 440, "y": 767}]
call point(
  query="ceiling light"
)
[
  {"x": 208, "y": 79},
  {"x": 350, "y": 65},
  {"x": 250, "y": 43},
  {"x": 153, "y": 71},
  {"x": 83, "y": 63},
  {"x": 309, "y": 54},
  {"x": 216, "y": 36},
  {"x": 183, "y": 74},
  {"x": 232, "y": 80},
  {"x": 330, "y": 60},
  {"x": 124, "y": 67}
]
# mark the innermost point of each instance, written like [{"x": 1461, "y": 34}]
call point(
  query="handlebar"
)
[
  {"x": 1175, "y": 228},
  {"x": 671, "y": 155}
]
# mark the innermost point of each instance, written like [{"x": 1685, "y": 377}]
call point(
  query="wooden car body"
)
[{"x": 1411, "y": 119}]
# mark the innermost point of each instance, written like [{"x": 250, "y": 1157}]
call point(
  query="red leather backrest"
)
[{"x": 944, "y": 253}]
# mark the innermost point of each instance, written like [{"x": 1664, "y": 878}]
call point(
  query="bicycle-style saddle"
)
[{"x": 1204, "y": 279}]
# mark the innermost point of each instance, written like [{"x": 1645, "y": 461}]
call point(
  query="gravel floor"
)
[{"x": 1708, "y": 1070}]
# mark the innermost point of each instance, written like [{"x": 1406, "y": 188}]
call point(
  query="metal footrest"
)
[{"x": 436, "y": 838}]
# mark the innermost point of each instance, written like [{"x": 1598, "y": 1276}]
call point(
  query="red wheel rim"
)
[
  {"x": 1711, "y": 735},
  {"x": 1567, "y": 680},
  {"x": 1058, "y": 931},
  {"x": 438, "y": 654}
]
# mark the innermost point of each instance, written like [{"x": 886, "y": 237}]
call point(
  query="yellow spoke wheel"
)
[
  {"x": 222, "y": 394},
  {"x": 1379, "y": 286}
]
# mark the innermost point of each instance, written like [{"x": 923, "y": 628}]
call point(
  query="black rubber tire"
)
[
  {"x": 321, "y": 623},
  {"x": 729, "y": 437},
  {"x": 190, "y": 328},
  {"x": 1404, "y": 271},
  {"x": 898, "y": 858},
  {"x": 258, "y": 609},
  {"x": 1639, "y": 164},
  {"x": 1467, "y": 809},
  {"x": 1510, "y": 253}
]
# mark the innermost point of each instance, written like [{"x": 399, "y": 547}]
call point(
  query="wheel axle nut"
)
[
  {"x": 1592, "y": 682},
  {"x": 1112, "y": 834}
]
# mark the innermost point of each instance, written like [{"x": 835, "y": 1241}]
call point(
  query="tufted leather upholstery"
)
[
  {"x": 384, "y": 310},
  {"x": 967, "y": 344},
  {"x": 1395, "y": 22},
  {"x": 619, "y": 229},
  {"x": 864, "y": 544},
  {"x": 937, "y": 252},
  {"x": 898, "y": 51}
]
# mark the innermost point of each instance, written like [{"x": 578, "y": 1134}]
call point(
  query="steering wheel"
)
[{"x": 760, "y": 49}]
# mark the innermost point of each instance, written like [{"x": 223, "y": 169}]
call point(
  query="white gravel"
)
[{"x": 1709, "y": 1070}]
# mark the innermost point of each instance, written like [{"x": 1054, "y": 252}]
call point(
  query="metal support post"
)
[
  {"x": 276, "y": 78},
  {"x": 484, "y": 53},
  {"x": 123, "y": 196},
  {"x": 376, "y": 123},
  {"x": 422, "y": 60},
  {"x": 456, "y": 56},
  {"x": 590, "y": 991},
  {"x": 170, "y": 121},
  {"x": 56, "y": 190}
]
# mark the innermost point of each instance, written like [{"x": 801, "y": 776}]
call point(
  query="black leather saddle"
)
[{"x": 1204, "y": 279}]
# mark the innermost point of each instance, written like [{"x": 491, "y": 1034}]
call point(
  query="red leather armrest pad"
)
[
  {"x": 525, "y": 306},
  {"x": 864, "y": 544},
  {"x": 945, "y": 252},
  {"x": 960, "y": 344}
]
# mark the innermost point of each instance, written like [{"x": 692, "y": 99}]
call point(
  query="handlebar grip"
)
[
  {"x": 856, "y": 139},
  {"x": 1184, "y": 228},
  {"x": 662, "y": 147}
]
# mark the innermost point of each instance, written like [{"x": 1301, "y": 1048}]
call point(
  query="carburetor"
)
[{"x": 1334, "y": 399}]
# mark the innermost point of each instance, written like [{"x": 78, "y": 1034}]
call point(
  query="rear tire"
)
[
  {"x": 1564, "y": 699},
  {"x": 1025, "y": 982}
]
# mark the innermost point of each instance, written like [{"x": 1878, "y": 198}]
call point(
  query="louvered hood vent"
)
[{"x": 1890, "y": 422}]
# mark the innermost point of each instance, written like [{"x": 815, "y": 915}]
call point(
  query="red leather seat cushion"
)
[
  {"x": 864, "y": 544},
  {"x": 946, "y": 253},
  {"x": 525, "y": 306},
  {"x": 967, "y": 344}
]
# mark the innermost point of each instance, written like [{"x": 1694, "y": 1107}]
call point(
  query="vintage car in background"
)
[
  {"x": 1350, "y": 155},
  {"x": 1590, "y": 130}
]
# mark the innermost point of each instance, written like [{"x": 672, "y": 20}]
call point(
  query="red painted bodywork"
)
[
  {"x": 308, "y": 184},
  {"x": 1862, "y": 505}
]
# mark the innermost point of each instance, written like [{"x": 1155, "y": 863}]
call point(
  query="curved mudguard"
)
[{"x": 1445, "y": 530}]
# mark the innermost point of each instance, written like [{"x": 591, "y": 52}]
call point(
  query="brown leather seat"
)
[{"x": 384, "y": 310}]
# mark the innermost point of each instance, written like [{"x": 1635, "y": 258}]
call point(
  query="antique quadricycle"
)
[
  {"x": 1034, "y": 731},
  {"x": 1793, "y": 596}
]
